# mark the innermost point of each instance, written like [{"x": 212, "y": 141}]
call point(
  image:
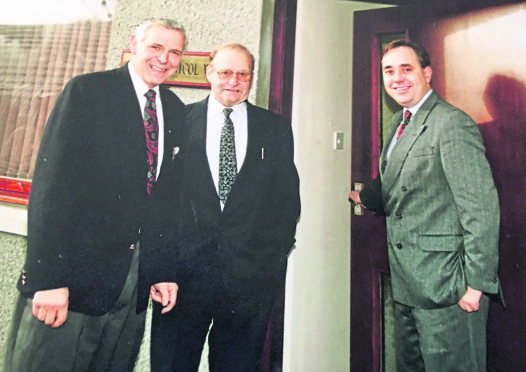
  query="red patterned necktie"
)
[
  {"x": 407, "y": 117},
  {"x": 151, "y": 129}
]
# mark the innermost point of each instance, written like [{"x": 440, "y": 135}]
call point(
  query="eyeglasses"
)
[{"x": 227, "y": 74}]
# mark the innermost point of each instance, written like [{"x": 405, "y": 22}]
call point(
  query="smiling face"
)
[
  {"x": 230, "y": 91},
  {"x": 156, "y": 56},
  {"x": 404, "y": 78}
]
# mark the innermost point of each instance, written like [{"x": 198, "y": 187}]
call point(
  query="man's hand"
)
[
  {"x": 354, "y": 197},
  {"x": 471, "y": 300},
  {"x": 165, "y": 294},
  {"x": 51, "y": 306}
]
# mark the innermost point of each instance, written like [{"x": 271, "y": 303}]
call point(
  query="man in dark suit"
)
[
  {"x": 437, "y": 192},
  {"x": 238, "y": 225},
  {"x": 94, "y": 200}
]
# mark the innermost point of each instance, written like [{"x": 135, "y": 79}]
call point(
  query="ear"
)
[
  {"x": 209, "y": 70},
  {"x": 428, "y": 73}
]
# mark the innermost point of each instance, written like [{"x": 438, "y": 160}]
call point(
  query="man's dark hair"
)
[{"x": 423, "y": 56}]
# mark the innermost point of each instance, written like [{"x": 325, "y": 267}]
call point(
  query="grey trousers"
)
[
  {"x": 438, "y": 340},
  {"x": 109, "y": 342}
]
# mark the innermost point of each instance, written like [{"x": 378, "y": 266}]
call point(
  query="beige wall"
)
[
  {"x": 317, "y": 336},
  {"x": 208, "y": 23}
]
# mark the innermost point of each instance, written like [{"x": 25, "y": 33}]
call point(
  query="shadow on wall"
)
[{"x": 505, "y": 139}]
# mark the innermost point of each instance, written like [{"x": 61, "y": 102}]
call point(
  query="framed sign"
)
[{"x": 191, "y": 71}]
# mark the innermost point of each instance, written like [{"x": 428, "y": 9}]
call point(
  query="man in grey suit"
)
[{"x": 442, "y": 214}]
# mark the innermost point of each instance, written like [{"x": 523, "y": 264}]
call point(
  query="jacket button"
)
[
  {"x": 398, "y": 216},
  {"x": 404, "y": 189},
  {"x": 399, "y": 246}
]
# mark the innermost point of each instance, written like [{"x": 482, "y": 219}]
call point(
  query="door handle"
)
[{"x": 357, "y": 208}]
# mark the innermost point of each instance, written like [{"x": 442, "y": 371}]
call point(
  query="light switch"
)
[{"x": 338, "y": 140}]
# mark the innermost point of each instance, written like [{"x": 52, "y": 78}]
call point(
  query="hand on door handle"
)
[{"x": 354, "y": 198}]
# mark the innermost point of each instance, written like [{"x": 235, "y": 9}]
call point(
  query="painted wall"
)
[
  {"x": 208, "y": 23},
  {"x": 317, "y": 335}
]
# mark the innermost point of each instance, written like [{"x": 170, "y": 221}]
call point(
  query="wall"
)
[
  {"x": 208, "y": 23},
  {"x": 317, "y": 334},
  {"x": 12, "y": 253}
]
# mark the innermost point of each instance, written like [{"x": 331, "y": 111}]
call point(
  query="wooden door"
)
[{"x": 478, "y": 52}]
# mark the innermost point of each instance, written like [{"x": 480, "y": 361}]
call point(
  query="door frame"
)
[{"x": 280, "y": 102}]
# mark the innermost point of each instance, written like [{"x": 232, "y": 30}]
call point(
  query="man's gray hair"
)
[{"x": 168, "y": 23}]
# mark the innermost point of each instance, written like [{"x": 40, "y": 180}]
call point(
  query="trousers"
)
[{"x": 110, "y": 342}]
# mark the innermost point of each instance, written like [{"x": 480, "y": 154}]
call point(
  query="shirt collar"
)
[
  {"x": 138, "y": 84},
  {"x": 416, "y": 107},
  {"x": 215, "y": 106}
]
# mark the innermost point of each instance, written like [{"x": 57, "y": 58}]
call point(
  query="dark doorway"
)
[
  {"x": 280, "y": 102},
  {"x": 477, "y": 51}
]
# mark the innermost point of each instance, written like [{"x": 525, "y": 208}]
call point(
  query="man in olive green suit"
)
[{"x": 442, "y": 214}]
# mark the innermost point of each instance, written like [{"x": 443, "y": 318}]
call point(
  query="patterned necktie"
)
[
  {"x": 151, "y": 129},
  {"x": 407, "y": 117},
  {"x": 227, "y": 157}
]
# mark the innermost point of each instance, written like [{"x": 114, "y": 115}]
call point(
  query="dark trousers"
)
[
  {"x": 237, "y": 324},
  {"x": 109, "y": 342},
  {"x": 438, "y": 340}
]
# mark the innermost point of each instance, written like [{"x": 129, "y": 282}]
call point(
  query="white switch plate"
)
[{"x": 338, "y": 141}]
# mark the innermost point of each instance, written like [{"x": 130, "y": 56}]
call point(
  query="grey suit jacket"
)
[{"x": 441, "y": 207}]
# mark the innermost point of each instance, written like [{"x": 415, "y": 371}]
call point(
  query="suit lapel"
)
[
  {"x": 128, "y": 112},
  {"x": 196, "y": 144},
  {"x": 400, "y": 151},
  {"x": 172, "y": 119},
  {"x": 254, "y": 147},
  {"x": 250, "y": 167}
]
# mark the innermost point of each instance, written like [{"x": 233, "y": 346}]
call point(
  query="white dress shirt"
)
[{"x": 215, "y": 121}]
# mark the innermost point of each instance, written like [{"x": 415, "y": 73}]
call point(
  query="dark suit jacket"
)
[
  {"x": 441, "y": 208},
  {"x": 248, "y": 243},
  {"x": 88, "y": 200}
]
